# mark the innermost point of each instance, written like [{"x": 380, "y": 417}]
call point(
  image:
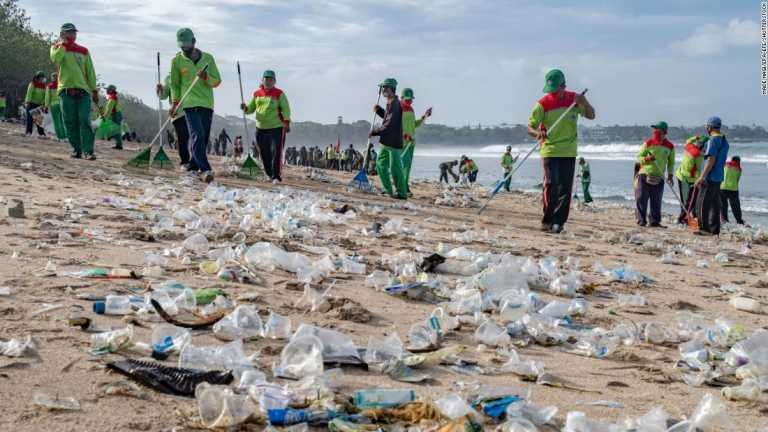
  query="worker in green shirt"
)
[
  {"x": 507, "y": 162},
  {"x": 410, "y": 123},
  {"x": 469, "y": 170},
  {"x": 34, "y": 99},
  {"x": 198, "y": 106},
  {"x": 585, "y": 175},
  {"x": 729, "y": 190},
  {"x": 53, "y": 105},
  {"x": 656, "y": 156},
  {"x": 273, "y": 121},
  {"x": 559, "y": 148},
  {"x": 2, "y": 106},
  {"x": 114, "y": 112},
  {"x": 687, "y": 173},
  {"x": 179, "y": 124},
  {"x": 77, "y": 82}
]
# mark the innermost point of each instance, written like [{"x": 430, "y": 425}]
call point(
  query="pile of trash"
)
[{"x": 456, "y": 197}]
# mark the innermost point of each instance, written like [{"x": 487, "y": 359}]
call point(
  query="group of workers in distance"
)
[{"x": 707, "y": 182}]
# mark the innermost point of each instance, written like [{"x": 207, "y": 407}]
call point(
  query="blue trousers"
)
[{"x": 199, "y": 127}]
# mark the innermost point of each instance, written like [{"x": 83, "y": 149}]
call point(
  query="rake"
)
[{"x": 360, "y": 180}]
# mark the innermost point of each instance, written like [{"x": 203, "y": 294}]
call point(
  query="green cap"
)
[
  {"x": 553, "y": 80},
  {"x": 269, "y": 74},
  {"x": 661, "y": 125},
  {"x": 68, "y": 27},
  {"x": 184, "y": 36},
  {"x": 389, "y": 82},
  {"x": 407, "y": 94},
  {"x": 111, "y": 88}
]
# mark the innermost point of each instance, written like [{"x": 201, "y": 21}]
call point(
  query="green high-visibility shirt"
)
[
  {"x": 52, "y": 94},
  {"x": 732, "y": 177},
  {"x": 35, "y": 93},
  {"x": 183, "y": 72},
  {"x": 75, "y": 67},
  {"x": 507, "y": 161},
  {"x": 166, "y": 94},
  {"x": 410, "y": 123},
  {"x": 2, "y": 101},
  {"x": 664, "y": 158},
  {"x": 114, "y": 105},
  {"x": 560, "y": 142},
  {"x": 271, "y": 108}
]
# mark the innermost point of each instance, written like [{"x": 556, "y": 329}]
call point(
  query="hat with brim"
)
[
  {"x": 111, "y": 88},
  {"x": 408, "y": 94},
  {"x": 389, "y": 82},
  {"x": 714, "y": 122},
  {"x": 68, "y": 27},
  {"x": 184, "y": 37},
  {"x": 662, "y": 125},
  {"x": 269, "y": 74},
  {"x": 553, "y": 80}
]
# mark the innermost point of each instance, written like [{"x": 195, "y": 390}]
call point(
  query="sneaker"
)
[
  {"x": 275, "y": 181},
  {"x": 657, "y": 225},
  {"x": 207, "y": 176},
  {"x": 557, "y": 229},
  {"x": 642, "y": 223},
  {"x": 545, "y": 227},
  {"x": 75, "y": 155},
  {"x": 90, "y": 157}
]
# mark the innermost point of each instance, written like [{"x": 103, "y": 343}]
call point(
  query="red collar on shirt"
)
[
  {"x": 38, "y": 84},
  {"x": 733, "y": 165},
  {"x": 693, "y": 150},
  {"x": 274, "y": 92},
  {"x": 74, "y": 47},
  {"x": 553, "y": 101},
  {"x": 656, "y": 140},
  {"x": 406, "y": 105},
  {"x": 112, "y": 96}
]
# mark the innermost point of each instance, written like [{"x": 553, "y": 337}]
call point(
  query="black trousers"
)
[
  {"x": 182, "y": 138},
  {"x": 708, "y": 207},
  {"x": 652, "y": 193},
  {"x": 558, "y": 187},
  {"x": 40, "y": 130},
  {"x": 731, "y": 197},
  {"x": 270, "y": 143},
  {"x": 689, "y": 197}
]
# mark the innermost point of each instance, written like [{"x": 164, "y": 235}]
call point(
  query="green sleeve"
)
[
  {"x": 90, "y": 73},
  {"x": 214, "y": 78},
  {"x": 48, "y": 97},
  {"x": 251, "y": 106},
  {"x": 110, "y": 106},
  {"x": 284, "y": 107},
  {"x": 537, "y": 116},
  {"x": 419, "y": 121},
  {"x": 28, "y": 97},
  {"x": 671, "y": 162},
  {"x": 175, "y": 82},
  {"x": 642, "y": 154},
  {"x": 57, "y": 54}
]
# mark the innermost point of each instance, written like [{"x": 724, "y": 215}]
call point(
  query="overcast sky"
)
[{"x": 474, "y": 61}]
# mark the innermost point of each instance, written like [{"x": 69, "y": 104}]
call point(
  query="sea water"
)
[{"x": 612, "y": 171}]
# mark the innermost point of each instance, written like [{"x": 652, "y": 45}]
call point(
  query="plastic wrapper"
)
[
  {"x": 383, "y": 348},
  {"x": 18, "y": 348},
  {"x": 220, "y": 407},
  {"x": 242, "y": 323},
  {"x": 301, "y": 357},
  {"x": 219, "y": 357},
  {"x": 454, "y": 407}
]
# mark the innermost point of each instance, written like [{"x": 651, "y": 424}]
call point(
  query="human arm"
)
[
  {"x": 710, "y": 163},
  {"x": 535, "y": 121},
  {"x": 210, "y": 76},
  {"x": 389, "y": 117},
  {"x": 585, "y": 108},
  {"x": 670, "y": 165},
  {"x": 111, "y": 104},
  {"x": 28, "y": 96},
  {"x": 427, "y": 114},
  {"x": 250, "y": 108},
  {"x": 379, "y": 111},
  {"x": 175, "y": 87},
  {"x": 285, "y": 111}
]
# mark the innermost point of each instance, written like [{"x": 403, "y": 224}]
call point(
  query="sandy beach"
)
[{"x": 83, "y": 200}]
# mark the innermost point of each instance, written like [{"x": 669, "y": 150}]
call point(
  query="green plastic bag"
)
[{"x": 107, "y": 129}]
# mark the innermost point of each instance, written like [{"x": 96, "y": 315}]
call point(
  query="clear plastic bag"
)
[
  {"x": 277, "y": 327},
  {"x": 384, "y": 348},
  {"x": 242, "y": 323},
  {"x": 219, "y": 357},
  {"x": 301, "y": 357},
  {"x": 335, "y": 345}
]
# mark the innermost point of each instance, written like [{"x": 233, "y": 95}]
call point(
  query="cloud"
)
[{"x": 713, "y": 39}]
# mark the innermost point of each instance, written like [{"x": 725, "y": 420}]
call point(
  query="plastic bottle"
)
[
  {"x": 113, "y": 305},
  {"x": 63, "y": 404},
  {"x": 383, "y": 398},
  {"x": 746, "y": 304},
  {"x": 290, "y": 416},
  {"x": 747, "y": 391},
  {"x": 632, "y": 300}
]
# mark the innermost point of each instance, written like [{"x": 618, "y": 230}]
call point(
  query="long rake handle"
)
[
  {"x": 370, "y": 144},
  {"x": 159, "y": 103},
  {"x": 509, "y": 175},
  {"x": 184, "y": 96},
  {"x": 242, "y": 101}
]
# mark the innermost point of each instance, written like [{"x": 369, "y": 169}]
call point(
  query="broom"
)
[
  {"x": 693, "y": 223},
  {"x": 143, "y": 157},
  {"x": 360, "y": 180},
  {"x": 161, "y": 160}
]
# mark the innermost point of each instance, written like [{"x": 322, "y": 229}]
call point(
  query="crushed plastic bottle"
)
[
  {"x": 112, "y": 341},
  {"x": 749, "y": 390}
]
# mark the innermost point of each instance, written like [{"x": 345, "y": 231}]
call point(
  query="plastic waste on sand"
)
[
  {"x": 277, "y": 327},
  {"x": 454, "y": 407},
  {"x": 378, "y": 279},
  {"x": 301, "y": 357},
  {"x": 335, "y": 345},
  {"x": 112, "y": 341},
  {"x": 196, "y": 243},
  {"x": 491, "y": 334},
  {"x": 169, "y": 338},
  {"x": 631, "y": 300},
  {"x": 55, "y": 403},
  {"x": 242, "y": 323},
  {"x": 383, "y": 348},
  {"x": 218, "y": 357},
  {"x": 220, "y": 407},
  {"x": 746, "y": 304},
  {"x": 18, "y": 348},
  {"x": 382, "y": 398}
]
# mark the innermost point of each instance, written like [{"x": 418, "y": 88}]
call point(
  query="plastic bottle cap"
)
[{"x": 99, "y": 307}]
